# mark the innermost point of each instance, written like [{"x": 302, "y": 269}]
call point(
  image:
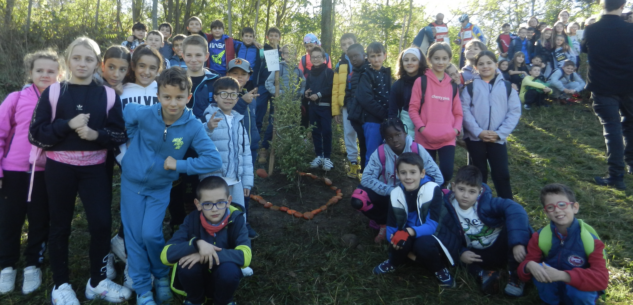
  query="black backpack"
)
[{"x": 423, "y": 82}]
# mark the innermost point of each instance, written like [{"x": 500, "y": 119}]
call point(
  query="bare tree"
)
[
  {"x": 8, "y": 13},
  {"x": 96, "y": 14},
  {"x": 154, "y": 14},
  {"x": 326, "y": 25}
]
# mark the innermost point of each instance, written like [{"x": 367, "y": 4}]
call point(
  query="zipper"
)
[{"x": 165, "y": 134}]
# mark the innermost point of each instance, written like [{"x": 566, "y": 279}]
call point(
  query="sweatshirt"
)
[
  {"x": 217, "y": 54},
  {"x": 530, "y": 82},
  {"x": 400, "y": 94},
  {"x": 137, "y": 94},
  {"x": 320, "y": 81}
]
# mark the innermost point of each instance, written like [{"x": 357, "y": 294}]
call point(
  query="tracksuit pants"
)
[
  {"x": 321, "y": 118},
  {"x": 484, "y": 153},
  {"x": 349, "y": 135},
  {"x": 219, "y": 283},
  {"x": 373, "y": 138},
  {"x": 446, "y": 160}
]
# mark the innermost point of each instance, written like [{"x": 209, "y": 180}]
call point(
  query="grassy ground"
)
[{"x": 305, "y": 262}]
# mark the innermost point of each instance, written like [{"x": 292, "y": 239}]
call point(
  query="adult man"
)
[
  {"x": 436, "y": 31},
  {"x": 467, "y": 33},
  {"x": 609, "y": 45}
]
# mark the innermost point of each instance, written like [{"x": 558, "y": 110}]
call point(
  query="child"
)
[
  {"x": 138, "y": 36},
  {"x": 437, "y": 113},
  {"x": 566, "y": 259},
  {"x": 194, "y": 26},
  {"x": 531, "y": 35},
  {"x": 534, "y": 89},
  {"x": 88, "y": 122},
  {"x": 179, "y": 130},
  {"x": 495, "y": 231},
  {"x": 417, "y": 222},
  {"x": 290, "y": 77},
  {"x": 543, "y": 49},
  {"x": 473, "y": 48},
  {"x": 574, "y": 40},
  {"x": 504, "y": 40},
  {"x": 265, "y": 98},
  {"x": 410, "y": 66},
  {"x": 319, "y": 92},
  {"x": 246, "y": 49},
  {"x": 155, "y": 41},
  {"x": 167, "y": 50},
  {"x": 221, "y": 48},
  {"x": 560, "y": 29},
  {"x": 141, "y": 87},
  {"x": 521, "y": 44},
  {"x": 310, "y": 41},
  {"x": 518, "y": 69},
  {"x": 116, "y": 63},
  {"x": 504, "y": 66},
  {"x": 567, "y": 83},
  {"x": 196, "y": 53},
  {"x": 356, "y": 55},
  {"x": 342, "y": 75},
  {"x": 372, "y": 97},
  {"x": 491, "y": 111},
  {"x": 15, "y": 117},
  {"x": 371, "y": 197},
  {"x": 177, "y": 59},
  {"x": 212, "y": 265},
  {"x": 452, "y": 71}
]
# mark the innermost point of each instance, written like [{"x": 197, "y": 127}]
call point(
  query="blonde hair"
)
[
  {"x": 88, "y": 44},
  {"x": 50, "y": 54}
]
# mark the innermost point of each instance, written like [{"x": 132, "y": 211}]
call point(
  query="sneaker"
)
[
  {"x": 248, "y": 271},
  {"x": 109, "y": 291},
  {"x": 110, "y": 271},
  {"x": 384, "y": 267},
  {"x": 382, "y": 234},
  {"x": 263, "y": 156},
  {"x": 127, "y": 280},
  {"x": 317, "y": 162},
  {"x": 7, "y": 280},
  {"x": 327, "y": 164},
  {"x": 526, "y": 107},
  {"x": 163, "y": 290},
  {"x": 189, "y": 303},
  {"x": 117, "y": 246},
  {"x": 353, "y": 170},
  {"x": 514, "y": 288},
  {"x": 445, "y": 278},
  {"x": 614, "y": 181},
  {"x": 145, "y": 299},
  {"x": 252, "y": 234},
  {"x": 64, "y": 295},
  {"x": 32, "y": 279},
  {"x": 490, "y": 282}
]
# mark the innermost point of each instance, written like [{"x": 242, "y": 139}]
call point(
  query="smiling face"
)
[
  {"x": 145, "y": 70},
  {"x": 195, "y": 57},
  {"x": 214, "y": 215},
  {"x": 177, "y": 47},
  {"x": 44, "y": 73},
  {"x": 503, "y": 66},
  {"x": 440, "y": 60},
  {"x": 289, "y": 55},
  {"x": 83, "y": 63},
  {"x": 273, "y": 38},
  {"x": 522, "y": 33},
  {"x": 114, "y": 70},
  {"x": 165, "y": 31},
  {"x": 240, "y": 75},
  {"x": 559, "y": 28},
  {"x": 573, "y": 29},
  {"x": 466, "y": 195},
  {"x": 217, "y": 32},
  {"x": 454, "y": 74},
  {"x": 376, "y": 59},
  {"x": 309, "y": 46},
  {"x": 569, "y": 69},
  {"x": 194, "y": 26},
  {"x": 173, "y": 101},
  {"x": 139, "y": 34},
  {"x": 154, "y": 41},
  {"x": 564, "y": 16},
  {"x": 559, "y": 41},
  {"x": 225, "y": 104},
  {"x": 472, "y": 51},
  {"x": 533, "y": 22},
  {"x": 547, "y": 34},
  {"x": 248, "y": 38},
  {"x": 317, "y": 59},
  {"x": 410, "y": 175},
  {"x": 562, "y": 219},
  {"x": 520, "y": 59},
  {"x": 396, "y": 139},
  {"x": 486, "y": 67},
  {"x": 411, "y": 64}
]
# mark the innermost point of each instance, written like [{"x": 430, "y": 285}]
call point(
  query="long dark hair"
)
[{"x": 139, "y": 52}]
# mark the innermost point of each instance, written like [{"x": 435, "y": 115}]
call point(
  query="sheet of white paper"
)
[{"x": 272, "y": 59}]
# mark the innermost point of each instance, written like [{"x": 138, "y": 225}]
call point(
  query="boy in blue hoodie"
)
[
  {"x": 494, "y": 231},
  {"x": 210, "y": 247},
  {"x": 247, "y": 48},
  {"x": 159, "y": 136},
  {"x": 221, "y": 48}
]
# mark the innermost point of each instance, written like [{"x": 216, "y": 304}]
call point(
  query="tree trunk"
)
[
  {"x": 406, "y": 31},
  {"x": 96, "y": 14},
  {"x": 170, "y": 14},
  {"x": 267, "y": 16},
  {"x": 154, "y": 14},
  {"x": 256, "y": 17},
  {"x": 118, "y": 16},
  {"x": 137, "y": 8},
  {"x": 188, "y": 11},
  {"x": 230, "y": 20},
  {"x": 28, "y": 17},
  {"x": 326, "y": 25},
  {"x": 8, "y": 13},
  {"x": 333, "y": 23}
]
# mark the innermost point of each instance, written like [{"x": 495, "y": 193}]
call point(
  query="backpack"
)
[
  {"x": 423, "y": 82},
  {"x": 586, "y": 235},
  {"x": 382, "y": 158},
  {"x": 469, "y": 87},
  {"x": 37, "y": 156}
]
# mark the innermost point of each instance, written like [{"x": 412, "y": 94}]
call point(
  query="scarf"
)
[{"x": 212, "y": 229}]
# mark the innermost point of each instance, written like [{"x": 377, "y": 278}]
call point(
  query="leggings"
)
[
  {"x": 447, "y": 161},
  {"x": 482, "y": 154},
  {"x": 63, "y": 182}
]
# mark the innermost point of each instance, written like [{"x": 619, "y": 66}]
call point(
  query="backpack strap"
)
[
  {"x": 469, "y": 88},
  {"x": 423, "y": 82},
  {"x": 53, "y": 98},
  {"x": 508, "y": 88},
  {"x": 381, "y": 157},
  {"x": 110, "y": 98},
  {"x": 414, "y": 148},
  {"x": 545, "y": 240},
  {"x": 455, "y": 90}
]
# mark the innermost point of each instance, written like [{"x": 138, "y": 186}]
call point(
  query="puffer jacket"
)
[
  {"x": 342, "y": 72},
  {"x": 354, "y": 109},
  {"x": 372, "y": 94},
  {"x": 490, "y": 109},
  {"x": 285, "y": 74},
  {"x": 233, "y": 145}
]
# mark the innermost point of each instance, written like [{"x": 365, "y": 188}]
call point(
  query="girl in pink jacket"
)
[
  {"x": 43, "y": 68},
  {"x": 437, "y": 112}
]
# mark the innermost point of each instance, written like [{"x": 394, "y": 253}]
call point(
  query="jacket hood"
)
[
  {"x": 138, "y": 88},
  {"x": 430, "y": 76}
]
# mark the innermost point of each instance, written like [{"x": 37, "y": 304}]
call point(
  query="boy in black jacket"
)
[
  {"x": 210, "y": 247},
  {"x": 356, "y": 55},
  {"x": 319, "y": 94}
]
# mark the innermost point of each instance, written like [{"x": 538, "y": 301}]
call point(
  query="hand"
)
[
  {"x": 483, "y": 135},
  {"x": 213, "y": 123},
  {"x": 421, "y": 129},
  {"x": 411, "y": 232},
  {"x": 493, "y": 136},
  {"x": 456, "y": 131},
  {"x": 208, "y": 252},
  {"x": 247, "y": 192},
  {"x": 556, "y": 275},
  {"x": 314, "y": 97},
  {"x": 170, "y": 164},
  {"x": 79, "y": 121},
  {"x": 547, "y": 90},
  {"x": 250, "y": 96},
  {"x": 258, "y": 45},
  {"x": 514, "y": 86},
  {"x": 190, "y": 260},
  {"x": 338, "y": 119},
  {"x": 130, "y": 38},
  {"x": 538, "y": 272},
  {"x": 0, "y": 183},
  {"x": 307, "y": 93},
  {"x": 87, "y": 133},
  {"x": 470, "y": 257},
  {"x": 519, "y": 253}
]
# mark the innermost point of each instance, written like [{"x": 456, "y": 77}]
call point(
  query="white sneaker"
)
[
  {"x": 110, "y": 271},
  {"x": 327, "y": 164},
  {"x": 117, "y": 246},
  {"x": 127, "y": 280},
  {"x": 32, "y": 279},
  {"x": 7, "y": 280},
  {"x": 248, "y": 271},
  {"x": 318, "y": 161},
  {"x": 64, "y": 295},
  {"x": 109, "y": 291}
]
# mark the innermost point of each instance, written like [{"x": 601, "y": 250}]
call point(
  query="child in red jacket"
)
[{"x": 566, "y": 258}]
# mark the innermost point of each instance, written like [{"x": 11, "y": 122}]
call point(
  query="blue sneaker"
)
[
  {"x": 384, "y": 267},
  {"x": 163, "y": 290},
  {"x": 145, "y": 299},
  {"x": 445, "y": 278}
]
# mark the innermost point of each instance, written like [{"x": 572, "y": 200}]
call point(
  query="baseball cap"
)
[{"x": 240, "y": 63}]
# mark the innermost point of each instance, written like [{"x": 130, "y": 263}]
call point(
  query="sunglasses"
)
[
  {"x": 561, "y": 205},
  {"x": 208, "y": 206}
]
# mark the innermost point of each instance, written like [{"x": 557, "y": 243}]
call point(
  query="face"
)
[
  {"x": 472, "y": 51},
  {"x": 376, "y": 59},
  {"x": 145, "y": 70},
  {"x": 194, "y": 26},
  {"x": 559, "y": 41},
  {"x": 139, "y": 34},
  {"x": 240, "y": 75},
  {"x": 466, "y": 195},
  {"x": 439, "y": 19},
  {"x": 396, "y": 139},
  {"x": 154, "y": 42},
  {"x": 44, "y": 73},
  {"x": 440, "y": 60},
  {"x": 520, "y": 59},
  {"x": 83, "y": 62},
  {"x": 410, "y": 176},
  {"x": 530, "y": 33},
  {"x": 559, "y": 28},
  {"x": 541, "y": 27},
  {"x": 195, "y": 57},
  {"x": 165, "y": 31},
  {"x": 535, "y": 71},
  {"x": 225, "y": 104},
  {"x": 536, "y": 61},
  {"x": 309, "y": 46},
  {"x": 177, "y": 46},
  {"x": 357, "y": 57},
  {"x": 274, "y": 38},
  {"x": 217, "y": 32},
  {"x": 465, "y": 23},
  {"x": 345, "y": 43},
  {"x": 547, "y": 35},
  {"x": 288, "y": 55},
  {"x": 317, "y": 59},
  {"x": 506, "y": 29},
  {"x": 569, "y": 69},
  {"x": 411, "y": 64},
  {"x": 574, "y": 28},
  {"x": 486, "y": 67},
  {"x": 114, "y": 70},
  {"x": 173, "y": 101},
  {"x": 522, "y": 34},
  {"x": 248, "y": 38},
  {"x": 454, "y": 74},
  {"x": 561, "y": 218},
  {"x": 564, "y": 16},
  {"x": 533, "y": 22},
  {"x": 503, "y": 66},
  {"x": 213, "y": 213}
]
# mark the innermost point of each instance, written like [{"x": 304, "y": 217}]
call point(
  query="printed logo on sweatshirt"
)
[
  {"x": 143, "y": 100},
  {"x": 80, "y": 107},
  {"x": 177, "y": 143},
  {"x": 218, "y": 58},
  {"x": 441, "y": 98},
  {"x": 575, "y": 260}
]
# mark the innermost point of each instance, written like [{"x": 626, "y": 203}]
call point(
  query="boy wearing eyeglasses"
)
[
  {"x": 210, "y": 247},
  {"x": 565, "y": 259},
  {"x": 226, "y": 128}
]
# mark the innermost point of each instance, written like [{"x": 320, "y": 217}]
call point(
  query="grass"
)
[{"x": 304, "y": 262}]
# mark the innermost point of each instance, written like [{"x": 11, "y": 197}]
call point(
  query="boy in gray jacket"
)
[
  {"x": 287, "y": 68},
  {"x": 566, "y": 83}
]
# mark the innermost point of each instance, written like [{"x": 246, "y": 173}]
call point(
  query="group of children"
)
[{"x": 183, "y": 132}]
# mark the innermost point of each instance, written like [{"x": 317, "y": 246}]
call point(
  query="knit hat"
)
[{"x": 311, "y": 38}]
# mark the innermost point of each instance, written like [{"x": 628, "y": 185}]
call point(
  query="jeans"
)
[
  {"x": 551, "y": 293},
  {"x": 263, "y": 100},
  {"x": 373, "y": 138},
  {"x": 534, "y": 98},
  {"x": 484, "y": 153},
  {"x": 616, "y": 116},
  {"x": 321, "y": 116},
  {"x": 498, "y": 255}
]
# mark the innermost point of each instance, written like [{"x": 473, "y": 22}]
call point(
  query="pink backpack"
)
[
  {"x": 381, "y": 156},
  {"x": 37, "y": 157}
]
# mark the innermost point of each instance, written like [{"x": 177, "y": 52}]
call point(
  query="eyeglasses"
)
[
  {"x": 561, "y": 205},
  {"x": 229, "y": 95},
  {"x": 208, "y": 206},
  {"x": 316, "y": 57}
]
